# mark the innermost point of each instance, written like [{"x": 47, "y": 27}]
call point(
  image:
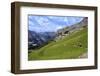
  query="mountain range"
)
[{"x": 39, "y": 39}]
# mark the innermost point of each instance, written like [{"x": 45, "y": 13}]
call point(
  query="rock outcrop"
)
[{"x": 69, "y": 29}]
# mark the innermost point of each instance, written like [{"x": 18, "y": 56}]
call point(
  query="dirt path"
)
[{"x": 85, "y": 55}]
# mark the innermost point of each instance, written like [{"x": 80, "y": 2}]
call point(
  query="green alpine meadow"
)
[{"x": 70, "y": 47}]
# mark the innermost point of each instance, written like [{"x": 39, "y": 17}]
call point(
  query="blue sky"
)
[{"x": 50, "y": 23}]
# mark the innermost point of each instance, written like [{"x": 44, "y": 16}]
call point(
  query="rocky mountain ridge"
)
[{"x": 69, "y": 29}]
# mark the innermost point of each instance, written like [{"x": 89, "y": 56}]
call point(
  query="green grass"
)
[{"x": 66, "y": 48}]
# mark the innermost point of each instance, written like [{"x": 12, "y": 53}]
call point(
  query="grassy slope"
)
[{"x": 66, "y": 48}]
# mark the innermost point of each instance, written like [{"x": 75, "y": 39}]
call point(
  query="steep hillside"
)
[{"x": 71, "y": 46}]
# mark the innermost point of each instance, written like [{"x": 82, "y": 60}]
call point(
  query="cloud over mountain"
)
[{"x": 40, "y": 23}]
